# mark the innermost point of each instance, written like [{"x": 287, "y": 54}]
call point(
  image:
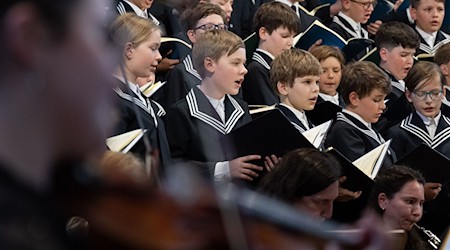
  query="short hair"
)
[
  {"x": 214, "y": 44},
  {"x": 391, "y": 180},
  {"x": 123, "y": 163},
  {"x": 442, "y": 55},
  {"x": 393, "y": 34},
  {"x": 323, "y": 52},
  {"x": 190, "y": 17},
  {"x": 301, "y": 172},
  {"x": 131, "y": 28},
  {"x": 362, "y": 78},
  {"x": 291, "y": 64},
  {"x": 416, "y": 3},
  {"x": 273, "y": 15},
  {"x": 422, "y": 71}
]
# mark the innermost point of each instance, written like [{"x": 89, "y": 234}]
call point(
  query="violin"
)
[{"x": 187, "y": 213}]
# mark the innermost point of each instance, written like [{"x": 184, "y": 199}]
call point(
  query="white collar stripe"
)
[
  {"x": 258, "y": 58},
  {"x": 298, "y": 127},
  {"x": 398, "y": 85},
  {"x": 188, "y": 65},
  {"x": 340, "y": 23},
  {"x": 132, "y": 99},
  {"x": 371, "y": 134},
  {"x": 121, "y": 8},
  {"x": 407, "y": 125},
  {"x": 216, "y": 124}
]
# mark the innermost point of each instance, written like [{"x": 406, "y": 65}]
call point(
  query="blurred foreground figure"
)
[{"x": 54, "y": 102}]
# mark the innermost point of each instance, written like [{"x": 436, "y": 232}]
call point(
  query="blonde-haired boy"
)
[
  {"x": 294, "y": 76},
  {"x": 196, "y": 124}
]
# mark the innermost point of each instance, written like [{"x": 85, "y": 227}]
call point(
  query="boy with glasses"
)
[
  {"x": 198, "y": 20},
  {"x": 426, "y": 124},
  {"x": 347, "y": 23}
]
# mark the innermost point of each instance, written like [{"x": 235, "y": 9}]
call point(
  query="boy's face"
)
[
  {"x": 358, "y": 10},
  {"x": 429, "y": 105},
  {"x": 228, "y": 73},
  {"x": 212, "y": 21},
  {"x": 429, "y": 15},
  {"x": 331, "y": 76},
  {"x": 369, "y": 107},
  {"x": 397, "y": 61},
  {"x": 303, "y": 94},
  {"x": 144, "y": 58},
  {"x": 278, "y": 41},
  {"x": 225, "y": 5}
]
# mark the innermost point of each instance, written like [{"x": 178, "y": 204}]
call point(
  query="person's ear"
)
[
  {"x": 408, "y": 95},
  {"x": 383, "y": 201},
  {"x": 191, "y": 36},
  {"x": 263, "y": 33},
  {"x": 345, "y": 4},
  {"x": 26, "y": 36},
  {"x": 209, "y": 64},
  {"x": 413, "y": 13},
  {"x": 383, "y": 54},
  {"x": 128, "y": 50},
  {"x": 444, "y": 92},
  {"x": 353, "y": 98},
  {"x": 444, "y": 69},
  {"x": 282, "y": 88}
]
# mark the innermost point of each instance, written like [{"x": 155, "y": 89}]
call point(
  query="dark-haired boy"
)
[
  {"x": 396, "y": 44},
  {"x": 275, "y": 24},
  {"x": 364, "y": 87}
]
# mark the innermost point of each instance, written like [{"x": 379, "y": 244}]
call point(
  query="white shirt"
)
[
  {"x": 219, "y": 106},
  {"x": 300, "y": 114},
  {"x": 142, "y": 13},
  {"x": 334, "y": 99},
  {"x": 430, "y": 38},
  {"x": 428, "y": 121}
]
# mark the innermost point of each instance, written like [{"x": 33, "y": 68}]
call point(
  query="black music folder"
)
[
  {"x": 271, "y": 133},
  {"x": 323, "y": 112},
  {"x": 433, "y": 165}
]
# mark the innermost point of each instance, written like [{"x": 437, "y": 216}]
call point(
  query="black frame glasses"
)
[
  {"x": 365, "y": 5},
  {"x": 211, "y": 26},
  {"x": 434, "y": 94}
]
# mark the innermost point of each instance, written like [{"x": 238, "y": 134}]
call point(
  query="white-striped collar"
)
[
  {"x": 266, "y": 53},
  {"x": 137, "y": 10},
  {"x": 334, "y": 99},
  {"x": 430, "y": 38},
  {"x": 300, "y": 114},
  {"x": 258, "y": 58},
  {"x": 355, "y": 26},
  {"x": 358, "y": 117},
  {"x": 440, "y": 137},
  {"x": 226, "y": 128},
  {"x": 368, "y": 131},
  {"x": 189, "y": 66},
  {"x": 133, "y": 88}
]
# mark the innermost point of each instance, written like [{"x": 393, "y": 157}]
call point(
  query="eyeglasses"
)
[
  {"x": 211, "y": 26},
  {"x": 434, "y": 94},
  {"x": 365, "y": 5}
]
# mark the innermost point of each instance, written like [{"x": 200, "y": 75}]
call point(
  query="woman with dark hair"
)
[
  {"x": 54, "y": 93},
  {"x": 398, "y": 197},
  {"x": 307, "y": 179}
]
